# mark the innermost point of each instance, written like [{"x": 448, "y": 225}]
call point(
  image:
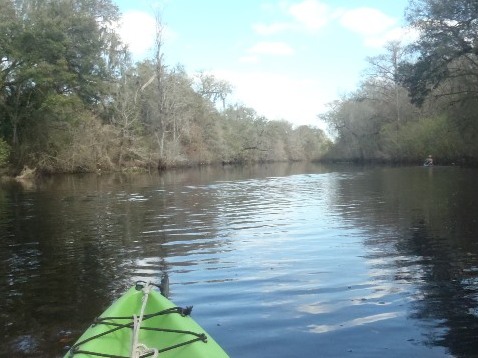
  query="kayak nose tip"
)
[{"x": 139, "y": 285}]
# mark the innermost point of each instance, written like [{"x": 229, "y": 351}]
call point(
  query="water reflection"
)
[
  {"x": 426, "y": 249},
  {"x": 355, "y": 322},
  {"x": 297, "y": 259}
]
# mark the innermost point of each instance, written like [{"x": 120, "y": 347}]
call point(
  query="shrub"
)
[{"x": 4, "y": 152}]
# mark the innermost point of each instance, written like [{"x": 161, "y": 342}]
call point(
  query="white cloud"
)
[
  {"x": 137, "y": 30},
  {"x": 310, "y": 13},
  {"x": 271, "y": 29},
  {"x": 374, "y": 26},
  {"x": 277, "y": 95},
  {"x": 401, "y": 34},
  {"x": 366, "y": 21},
  {"x": 271, "y": 48},
  {"x": 249, "y": 59}
]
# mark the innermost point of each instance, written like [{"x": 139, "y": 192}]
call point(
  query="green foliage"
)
[
  {"x": 51, "y": 49},
  {"x": 446, "y": 48},
  {"x": 4, "y": 152},
  {"x": 70, "y": 100},
  {"x": 439, "y": 71},
  {"x": 415, "y": 140}
]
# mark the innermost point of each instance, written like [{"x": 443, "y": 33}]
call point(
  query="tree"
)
[
  {"x": 384, "y": 74},
  {"x": 243, "y": 132},
  {"x": 312, "y": 142},
  {"x": 4, "y": 152},
  {"x": 125, "y": 114},
  {"x": 213, "y": 89},
  {"x": 447, "y": 48},
  {"x": 356, "y": 122},
  {"x": 53, "y": 53}
]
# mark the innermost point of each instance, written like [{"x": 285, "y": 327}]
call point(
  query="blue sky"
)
[{"x": 285, "y": 58}]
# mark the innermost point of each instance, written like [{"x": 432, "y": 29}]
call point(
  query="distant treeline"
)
[
  {"x": 417, "y": 99},
  {"x": 71, "y": 100}
]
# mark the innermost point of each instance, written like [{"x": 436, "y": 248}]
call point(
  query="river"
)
[{"x": 282, "y": 260}]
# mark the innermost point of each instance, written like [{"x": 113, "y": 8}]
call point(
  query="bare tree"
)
[
  {"x": 384, "y": 72},
  {"x": 213, "y": 89}
]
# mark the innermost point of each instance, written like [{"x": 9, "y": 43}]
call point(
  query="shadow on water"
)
[
  {"x": 449, "y": 291},
  {"x": 423, "y": 233}
]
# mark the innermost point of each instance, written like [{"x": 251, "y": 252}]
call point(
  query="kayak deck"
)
[{"x": 164, "y": 327}]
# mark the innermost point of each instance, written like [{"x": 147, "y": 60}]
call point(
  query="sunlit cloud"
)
[
  {"x": 296, "y": 100},
  {"x": 366, "y": 21},
  {"x": 271, "y": 29},
  {"x": 375, "y": 27},
  {"x": 271, "y": 48},
  {"x": 310, "y": 13},
  {"x": 249, "y": 59},
  {"x": 137, "y": 29},
  {"x": 400, "y": 34},
  {"x": 313, "y": 15}
]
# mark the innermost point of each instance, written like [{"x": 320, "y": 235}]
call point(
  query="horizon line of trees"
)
[
  {"x": 71, "y": 100},
  {"x": 416, "y": 99}
]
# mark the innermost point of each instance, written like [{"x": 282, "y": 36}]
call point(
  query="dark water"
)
[{"x": 278, "y": 261}]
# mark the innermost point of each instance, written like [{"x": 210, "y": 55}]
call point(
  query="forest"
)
[
  {"x": 72, "y": 100},
  {"x": 416, "y": 99}
]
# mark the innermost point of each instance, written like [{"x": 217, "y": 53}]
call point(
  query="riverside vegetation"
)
[
  {"x": 72, "y": 100},
  {"x": 416, "y": 99}
]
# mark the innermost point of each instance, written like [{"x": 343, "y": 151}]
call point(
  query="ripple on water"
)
[{"x": 332, "y": 263}]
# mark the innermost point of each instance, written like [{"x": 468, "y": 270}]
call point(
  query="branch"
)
[{"x": 254, "y": 148}]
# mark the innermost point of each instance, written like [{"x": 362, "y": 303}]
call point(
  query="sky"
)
[{"x": 286, "y": 59}]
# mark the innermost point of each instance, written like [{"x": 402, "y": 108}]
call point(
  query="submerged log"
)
[{"x": 26, "y": 173}]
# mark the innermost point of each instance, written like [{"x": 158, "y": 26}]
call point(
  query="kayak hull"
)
[{"x": 164, "y": 327}]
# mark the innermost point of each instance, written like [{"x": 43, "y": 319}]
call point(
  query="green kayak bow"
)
[{"x": 143, "y": 323}]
